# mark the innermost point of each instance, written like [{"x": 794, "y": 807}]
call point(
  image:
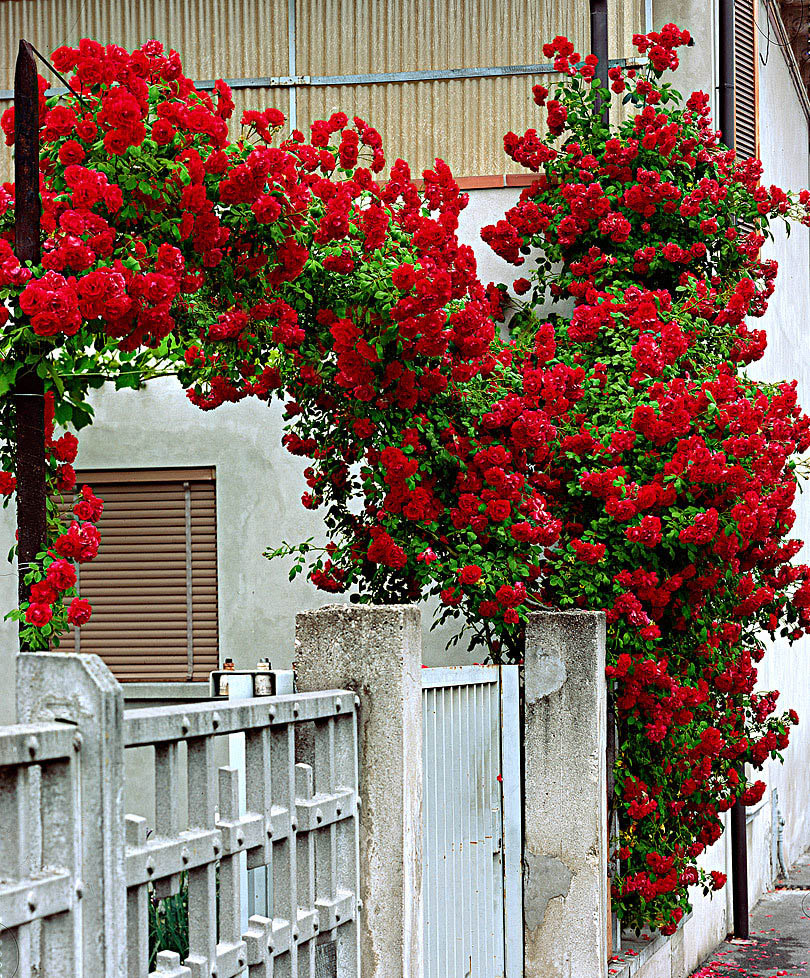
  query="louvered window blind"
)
[
  {"x": 746, "y": 119},
  {"x": 153, "y": 586}
]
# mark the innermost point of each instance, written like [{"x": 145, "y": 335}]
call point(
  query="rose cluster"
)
[{"x": 53, "y": 581}]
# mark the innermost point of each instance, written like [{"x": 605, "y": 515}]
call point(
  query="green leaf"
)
[
  {"x": 129, "y": 379},
  {"x": 8, "y": 374}
]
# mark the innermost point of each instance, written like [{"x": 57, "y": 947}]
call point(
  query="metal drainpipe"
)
[
  {"x": 599, "y": 46},
  {"x": 739, "y": 841},
  {"x": 726, "y": 70}
]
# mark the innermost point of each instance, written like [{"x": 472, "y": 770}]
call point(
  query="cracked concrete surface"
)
[{"x": 544, "y": 877}]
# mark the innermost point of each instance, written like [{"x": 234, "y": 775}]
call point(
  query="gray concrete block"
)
[{"x": 377, "y": 652}]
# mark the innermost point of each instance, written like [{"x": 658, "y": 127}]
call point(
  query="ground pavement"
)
[{"x": 779, "y": 935}]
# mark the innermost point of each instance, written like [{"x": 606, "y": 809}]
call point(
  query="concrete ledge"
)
[
  {"x": 635, "y": 955},
  {"x": 649, "y": 955},
  {"x": 166, "y": 691}
]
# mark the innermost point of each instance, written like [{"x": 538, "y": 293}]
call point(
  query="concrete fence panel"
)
[
  {"x": 77, "y": 877},
  {"x": 565, "y": 818},
  {"x": 80, "y": 690},
  {"x": 40, "y": 850}
]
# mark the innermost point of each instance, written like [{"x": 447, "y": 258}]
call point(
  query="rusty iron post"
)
[
  {"x": 739, "y": 870},
  {"x": 29, "y": 390}
]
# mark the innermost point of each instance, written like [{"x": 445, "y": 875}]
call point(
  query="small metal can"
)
[
  {"x": 227, "y": 666},
  {"x": 263, "y": 679}
]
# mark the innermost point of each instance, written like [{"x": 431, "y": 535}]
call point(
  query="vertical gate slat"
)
[
  {"x": 473, "y": 927},
  {"x": 452, "y": 841},
  {"x": 512, "y": 793},
  {"x": 427, "y": 861},
  {"x": 484, "y": 855},
  {"x": 488, "y": 895},
  {"x": 489, "y": 833},
  {"x": 432, "y": 843},
  {"x": 473, "y": 832},
  {"x": 470, "y": 824},
  {"x": 440, "y": 872}
]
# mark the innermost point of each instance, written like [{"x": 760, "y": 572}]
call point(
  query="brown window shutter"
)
[
  {"x": 746, "y": 78},
  {"x": 153, "y": 585}
]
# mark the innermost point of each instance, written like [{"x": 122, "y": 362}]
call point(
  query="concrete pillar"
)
[
  {"x": 80, "y": 689},
  {"x": 565, "y": 819},
  {"x": 377, "y": 652}
]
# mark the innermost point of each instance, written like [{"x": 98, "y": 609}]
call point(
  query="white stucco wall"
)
[{"x": 784, "y": 152}]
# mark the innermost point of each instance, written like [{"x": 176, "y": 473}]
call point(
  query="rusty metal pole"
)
[
  {"x": 739, "y": 870},
  {"x": 29, "y": 390}
]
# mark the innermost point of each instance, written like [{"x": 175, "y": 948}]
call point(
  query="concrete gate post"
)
[
  {"x": 377, "y": 652},
  {"x": 565, "y": 843}
]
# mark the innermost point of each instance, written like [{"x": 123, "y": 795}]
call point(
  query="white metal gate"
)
[{"x": 472, "y": 833}]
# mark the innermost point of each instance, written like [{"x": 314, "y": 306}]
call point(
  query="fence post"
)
[
  {"x": 81, "y": 690},
  {"x": 565, "y": 820},
  {"x": 377, "y": 652}
]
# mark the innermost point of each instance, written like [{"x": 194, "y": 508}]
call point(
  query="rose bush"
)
[
  {"x": 99, "y": 307},
  {"x": 611, "y": 454},
  {"x": 248, "y": 267},
  {"x": 674, "y": 476}
]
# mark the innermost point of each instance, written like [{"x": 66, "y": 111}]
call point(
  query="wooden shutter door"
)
[
  {"x": 746, "y": 78},
  {"x": 153, "y": 586}
]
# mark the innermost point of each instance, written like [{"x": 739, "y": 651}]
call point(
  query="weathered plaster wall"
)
[
  {"x": 565, "y": 801},
  {"x": 698, "y": 68}
]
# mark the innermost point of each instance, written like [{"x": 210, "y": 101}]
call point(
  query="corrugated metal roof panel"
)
[
  {"x": 461, "y": 121},
  {"x": 368, "y": 36},
  {"x": 216, "y": 38},
  {"x": 625, "y": 19}
]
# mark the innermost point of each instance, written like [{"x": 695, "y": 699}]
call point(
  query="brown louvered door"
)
[
  {"x": 153, "y": 586},
  {"x": 746, "y": 76}
]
